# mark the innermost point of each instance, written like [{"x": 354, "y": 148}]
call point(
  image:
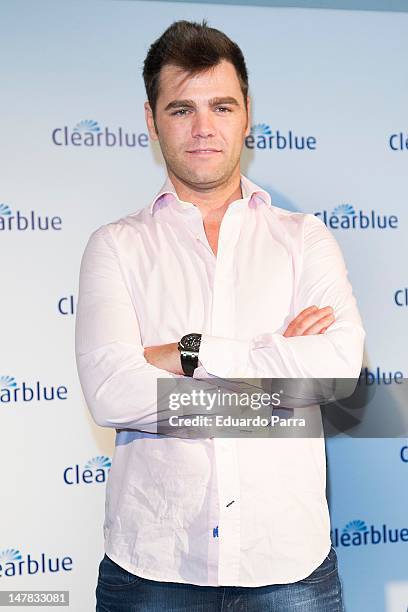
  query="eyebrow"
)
[{"x": 212, "y": 102}]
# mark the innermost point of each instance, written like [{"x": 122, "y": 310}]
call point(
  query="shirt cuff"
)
[{"x": 224, "y": 357}]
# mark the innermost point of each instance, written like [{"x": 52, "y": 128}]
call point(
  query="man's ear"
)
[
  {"x": 150, "y": 122},
  {"x": 248, "y": 127}
]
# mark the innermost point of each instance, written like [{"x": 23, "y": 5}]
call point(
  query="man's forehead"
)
[
  {"x": 175, "y": 78},
  {"x": 177, "y": 83}
]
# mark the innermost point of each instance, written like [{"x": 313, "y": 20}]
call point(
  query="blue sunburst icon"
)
[
  {"x": 7, "y": 382},
  {"x": 5, "y": 210},
  {"x": 261, "y": 128},
  {"x": 344, "y": 209},
  {"x": 87, "y": 125},
  {"x": 10, "y": 554},
  {"x": 99, "y": 462},
  {"x": 355, "y": 526}
]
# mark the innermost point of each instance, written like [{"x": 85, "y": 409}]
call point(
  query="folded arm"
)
[{"x": 336, "y": 353}]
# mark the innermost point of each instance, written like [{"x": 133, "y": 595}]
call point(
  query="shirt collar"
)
[{"x": 250, "y": 190}]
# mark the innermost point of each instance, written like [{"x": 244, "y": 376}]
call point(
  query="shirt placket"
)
[{"x": 226, "y": 533}]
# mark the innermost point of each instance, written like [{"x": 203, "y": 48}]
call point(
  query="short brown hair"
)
[{"x": 193, "y": 47}]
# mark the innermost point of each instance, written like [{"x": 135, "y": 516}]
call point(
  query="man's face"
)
[{"x": 201, "y": 123}]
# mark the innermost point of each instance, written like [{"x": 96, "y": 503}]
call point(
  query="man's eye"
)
[{"x": 181, "y": 112}]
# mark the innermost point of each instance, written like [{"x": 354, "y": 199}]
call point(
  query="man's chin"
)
[{"x": 202, "y": 179}]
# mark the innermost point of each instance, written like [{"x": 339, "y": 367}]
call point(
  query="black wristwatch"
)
[{"x": 189, "y": 345}]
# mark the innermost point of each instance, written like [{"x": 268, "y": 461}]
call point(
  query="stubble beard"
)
[{"x": 200, "y": 179}]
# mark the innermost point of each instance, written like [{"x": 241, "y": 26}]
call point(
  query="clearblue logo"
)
[
  {"x": 398, "y": 142},
  {"x": 88, "y": 133},
  {"x": 11, "y": 392},
  {"x": 378, "y": 376},
  {"x": 345, "y": 216},
  {"x": 263, "y": 137},
  {"x": 31, "y": 221},
  {"x": 13, "y": 563},
  {"x": 358, "y": 533},
  {"x": 95, "y": 470}
]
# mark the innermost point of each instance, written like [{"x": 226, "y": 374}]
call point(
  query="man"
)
[{"x": 210, "y": 279}]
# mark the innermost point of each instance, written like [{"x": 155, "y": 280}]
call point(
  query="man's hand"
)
[
  {"x": 165, "y": 357},
  {"x": 312, "y": 320}
]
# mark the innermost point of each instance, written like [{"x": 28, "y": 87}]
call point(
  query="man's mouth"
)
[{"x": 203, "y": 151}]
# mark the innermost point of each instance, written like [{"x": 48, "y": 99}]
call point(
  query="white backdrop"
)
[{"x": 72, "y": 70}]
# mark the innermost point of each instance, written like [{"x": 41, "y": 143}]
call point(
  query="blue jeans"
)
[{"x": 120, "y": 591}]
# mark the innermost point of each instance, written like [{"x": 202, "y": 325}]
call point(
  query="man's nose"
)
[{"x": 203, "y": 125}]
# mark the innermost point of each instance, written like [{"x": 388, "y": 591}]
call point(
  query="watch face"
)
[{"x": 191, "y": 342}]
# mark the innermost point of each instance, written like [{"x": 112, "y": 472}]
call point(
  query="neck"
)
[{"x": 213, "y": 198}]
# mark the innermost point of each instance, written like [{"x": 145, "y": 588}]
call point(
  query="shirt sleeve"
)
[
  {"x": 118, "y": 383},
  {"x": 337, "y": 353}
]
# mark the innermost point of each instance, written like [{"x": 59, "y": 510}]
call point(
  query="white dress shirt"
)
[{"x": 151, "y": 277}]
